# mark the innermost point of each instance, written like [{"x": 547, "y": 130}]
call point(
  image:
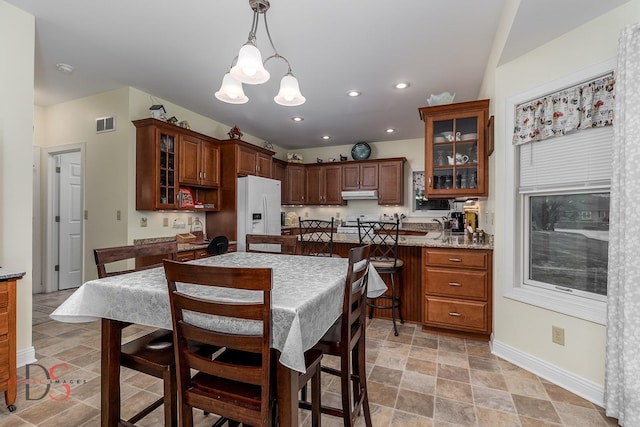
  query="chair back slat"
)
[
  {"x": 287, "y": 244},
  {"x": 316, "y": 237},
  {"x": 104, "y": 256},
  {"x": 220, "y": 384}
]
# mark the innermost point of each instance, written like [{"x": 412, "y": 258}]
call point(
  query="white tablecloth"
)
[{"x": 306, "y": 298}]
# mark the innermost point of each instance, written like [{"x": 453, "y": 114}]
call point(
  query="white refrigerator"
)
[{"x": 258, "y": 208}]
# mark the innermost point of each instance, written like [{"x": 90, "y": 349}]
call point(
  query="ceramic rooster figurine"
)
[{"x": 235, "y": 133}]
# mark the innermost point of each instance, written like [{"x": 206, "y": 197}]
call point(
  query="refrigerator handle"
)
[{"x": 266, "y": 213}]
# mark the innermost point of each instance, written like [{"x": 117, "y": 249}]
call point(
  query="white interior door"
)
[{"x": 70, "y": 214}]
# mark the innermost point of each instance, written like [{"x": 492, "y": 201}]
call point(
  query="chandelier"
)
[{"x": 247, "y": 67}]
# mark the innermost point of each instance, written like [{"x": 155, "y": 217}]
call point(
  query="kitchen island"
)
[{"x": 453, "y": 299}]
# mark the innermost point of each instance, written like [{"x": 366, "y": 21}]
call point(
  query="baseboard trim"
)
[
  {"x": 26, "y": 356},
  {"x": 582, "y": 387}
]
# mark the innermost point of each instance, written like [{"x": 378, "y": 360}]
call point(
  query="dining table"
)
[{"x": 306, "y": 299}]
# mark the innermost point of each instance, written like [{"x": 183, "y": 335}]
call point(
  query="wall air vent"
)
[{"x": 105, "y": 124}]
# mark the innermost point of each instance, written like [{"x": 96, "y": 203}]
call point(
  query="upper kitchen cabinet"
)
[
  {"x": 360, "y": 176},
  {"x": 295, "y": 192},
  {"x": 199, "y": 162},
  {"x": 324, "y": 184},
  {"x": 159, "y": 166},
  {"x": 279, "y": 173},
  {"x": 252, "y": 160},
  {"x": 156, "y": 165},
  {"x": 456, "y": 161},
  {"x": 390, "y": 180}
]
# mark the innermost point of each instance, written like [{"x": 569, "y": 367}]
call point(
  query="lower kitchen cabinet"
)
[
  {"x": 457, "y": 291},
  {"x": 8, "y": 381}
]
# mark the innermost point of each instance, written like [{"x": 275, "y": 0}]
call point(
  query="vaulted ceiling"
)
[{"x": 179, "y": 51}]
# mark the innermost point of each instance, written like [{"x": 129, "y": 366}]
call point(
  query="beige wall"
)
[
  {"x": 17, "y": 32},
  {"x": 521, "y": 326}
]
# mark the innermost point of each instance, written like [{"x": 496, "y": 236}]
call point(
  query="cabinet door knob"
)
[
  {"x": 429, "y": 182},
  {"x": 455, "y": 284},
  {"x": 454, "y": 314},
  {"x": 455, "y": 260}
]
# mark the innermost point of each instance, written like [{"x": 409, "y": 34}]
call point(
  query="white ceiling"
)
[{"x": 179, "y": 51}]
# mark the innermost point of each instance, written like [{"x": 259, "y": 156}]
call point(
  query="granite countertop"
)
[
  {"x": 430, "y": 239},
  {"x": 182, "y": 247},
  {"x": 6, "y": 274}
]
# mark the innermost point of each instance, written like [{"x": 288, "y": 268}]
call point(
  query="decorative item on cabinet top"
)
[
  {"x": 441, "y": 99},
  {"x": 360, "y": 151},
  {"x": 234, "y": 133}
]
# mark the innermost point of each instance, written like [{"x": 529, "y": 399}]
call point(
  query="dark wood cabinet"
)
[
  {"x": 457, "y": 291},
  {"x": 279, "y": 172},
  {"x": 295, "y": 185},
  {"x": 161, "y": 171},
  {"x": 323, "y": 185},
  {"x": 251, "y": 160},
  {"x": 390, "y": 182},
  {"x": 199, "y": 162},
  {"x": 456, "y": 160},
  {"x": 360, "y": 176}
]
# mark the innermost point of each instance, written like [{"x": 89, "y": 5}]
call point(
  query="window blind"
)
[{"x": 578, "y": 159}]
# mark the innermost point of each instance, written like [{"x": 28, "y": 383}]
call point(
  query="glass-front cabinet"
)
[
  {"x": 167, "y": 185},
  {"x": 455, "y": 149}
]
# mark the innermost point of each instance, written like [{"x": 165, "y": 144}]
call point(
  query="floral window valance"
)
[{"x": 583, "y": 106}]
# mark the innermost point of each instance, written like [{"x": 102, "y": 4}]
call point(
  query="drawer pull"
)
[
  {"x": 455, "y": 260},
  {"x": 455, "y": 284},
  {"x": 454, "y": 314}
]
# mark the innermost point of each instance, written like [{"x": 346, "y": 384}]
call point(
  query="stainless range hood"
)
[{"x": 360, "y": 195}]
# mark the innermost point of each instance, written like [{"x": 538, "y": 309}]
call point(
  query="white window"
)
[{"x": 557, "y": 207}]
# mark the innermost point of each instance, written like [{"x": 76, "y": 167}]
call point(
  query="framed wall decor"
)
[{"x": 490, "y": 136}]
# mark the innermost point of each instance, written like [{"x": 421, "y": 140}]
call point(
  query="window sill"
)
[{"x": 570, "y": 305}]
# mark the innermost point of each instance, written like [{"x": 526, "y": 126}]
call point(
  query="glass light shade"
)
[
  {"x": 231, "y": 91},
  {"x": 249, "y": 68},
  {"x": 289, "y": 94}
]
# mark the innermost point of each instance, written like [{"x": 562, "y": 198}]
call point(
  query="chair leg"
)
[
  {"x": 345, "y": 385},
  {"x": 315, "y": 395},
  {"x": 400, "y": 298},
  {"x": 170, "y": 397},
  {"x": 363, "y": 395},
  {"x": 393, "y": 304},
  {"x": 186, "y": 416}
]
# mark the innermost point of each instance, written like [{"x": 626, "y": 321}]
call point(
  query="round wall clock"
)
[{"x": 360, "y": 151}]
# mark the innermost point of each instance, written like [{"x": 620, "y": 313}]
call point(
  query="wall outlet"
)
[
  {"x": 189, "y": 221},
  {"x": 337, "y": 214},
  {"x": 118, "y": 215},
  {"x": 143, "y": 221},
  {"x": 557, "y": 335},
  {"x": 165, "y": 222}
]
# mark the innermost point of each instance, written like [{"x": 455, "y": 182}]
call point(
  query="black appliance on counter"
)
[{"x": 457, "y": 222}]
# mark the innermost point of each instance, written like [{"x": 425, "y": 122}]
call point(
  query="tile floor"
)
[{"x": 415, "y": 379}]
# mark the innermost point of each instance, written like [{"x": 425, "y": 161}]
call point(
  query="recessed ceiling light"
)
[
  {"x": 65, "y": 68},
  {"x": 402, "y": 85},
  {"x": 326, "y": 137},
  {"x": 354, "y": 93},
  {"x": 390, "y": 130},
  {"x": 297, "y": 119}
]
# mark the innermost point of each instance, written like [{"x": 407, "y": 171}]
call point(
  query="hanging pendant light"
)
[
  {"x": 248, "y": 67},
  {"x": 231, "y": 91},
  {"x": 289, "y": 94}
]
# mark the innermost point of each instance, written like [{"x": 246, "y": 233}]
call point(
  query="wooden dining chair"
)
[
  {"x": 383, "y": 238},
  {"x": 153, "y": 353},
  {"x": 316, "y": 237},
  {"x": 266, "y": 243},
  {"x": 239, "y": 382},
  {"x": 346, "y": 339}
]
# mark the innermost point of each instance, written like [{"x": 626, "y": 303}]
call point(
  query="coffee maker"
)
[{"x": 457, "y": 222}]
